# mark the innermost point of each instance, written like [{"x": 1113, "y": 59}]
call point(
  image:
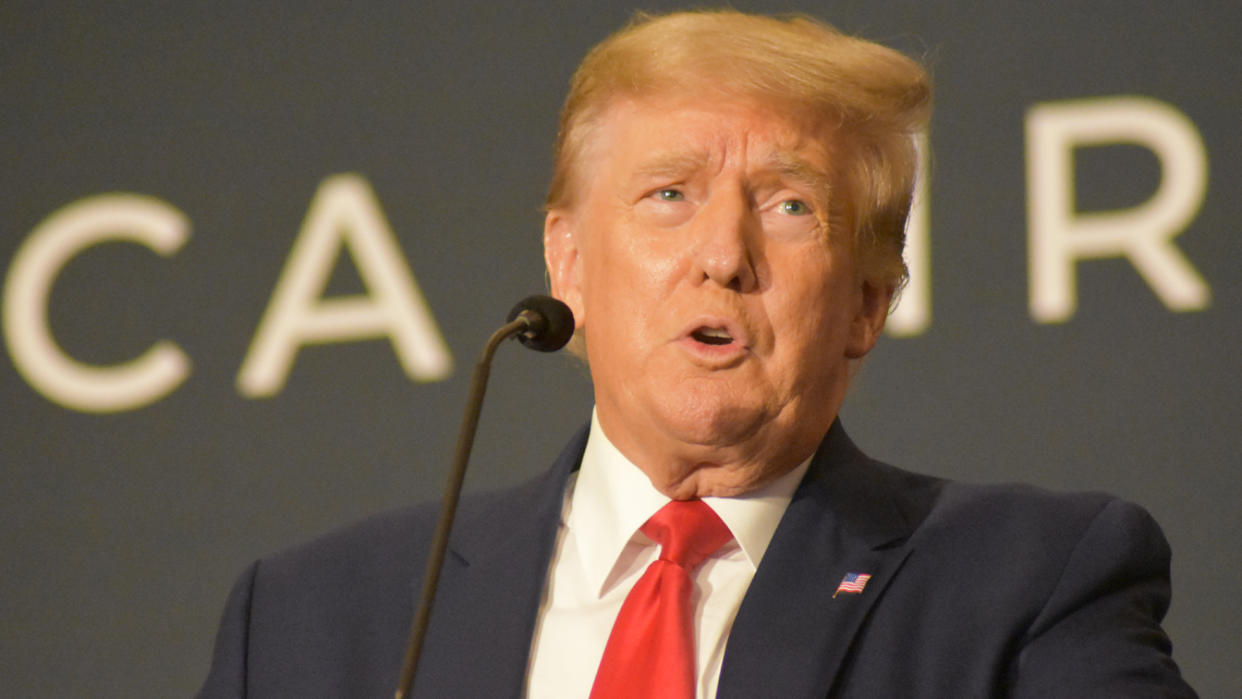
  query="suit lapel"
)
[
  {"x": 490, "y": 589},
  {"x": 843, "y": 518},
  {"x": 791, "y": 635}
]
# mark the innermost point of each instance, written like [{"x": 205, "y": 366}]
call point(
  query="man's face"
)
[{"x": 719, "y": 312}]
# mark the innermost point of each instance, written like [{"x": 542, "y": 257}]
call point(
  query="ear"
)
[
  {"x": 869, "y": 317},
  {"x": 560, "y": 254}
]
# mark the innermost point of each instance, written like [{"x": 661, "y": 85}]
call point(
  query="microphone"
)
[
  {"x": 541, "y": 323},
  {"x": 549, "y": 323}
]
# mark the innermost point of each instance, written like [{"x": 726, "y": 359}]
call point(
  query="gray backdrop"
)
[{"x": 123, "y": 530}]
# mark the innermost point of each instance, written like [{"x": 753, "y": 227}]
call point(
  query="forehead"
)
[{"x": 670, "y": 135}]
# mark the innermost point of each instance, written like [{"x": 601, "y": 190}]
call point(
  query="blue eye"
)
[
  {"x": 670, "y": 195},
  {"x": 794, "y": 207}
]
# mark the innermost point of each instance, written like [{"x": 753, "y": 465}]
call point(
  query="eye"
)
[
  {"x": 794, "y": 207},
  {"x": 669, "y": 195}
]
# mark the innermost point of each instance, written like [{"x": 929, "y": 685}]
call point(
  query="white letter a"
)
[{"x": 343, "y": 212}]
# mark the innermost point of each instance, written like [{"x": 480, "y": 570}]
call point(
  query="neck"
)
[{"x": 682, "y": 470}]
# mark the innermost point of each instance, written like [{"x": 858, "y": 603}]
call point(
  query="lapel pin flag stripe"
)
[{"x": 852, "y": 583}]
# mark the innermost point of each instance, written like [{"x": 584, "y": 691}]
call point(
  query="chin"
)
[{"x": 713, "y": 420}]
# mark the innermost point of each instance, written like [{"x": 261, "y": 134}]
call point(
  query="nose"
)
[{"x": 726, "y": 237}]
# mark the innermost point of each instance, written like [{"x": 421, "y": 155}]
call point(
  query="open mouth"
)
[{"x": 712, "y": 336}]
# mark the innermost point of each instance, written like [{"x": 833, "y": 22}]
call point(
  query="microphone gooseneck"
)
[{"x": 541, "y": 323}]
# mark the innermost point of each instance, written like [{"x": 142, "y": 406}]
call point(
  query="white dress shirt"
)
[{"x": 600, "y": 553}]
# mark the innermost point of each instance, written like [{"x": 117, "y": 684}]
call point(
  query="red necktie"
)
[{"x": 650, "y": 653}]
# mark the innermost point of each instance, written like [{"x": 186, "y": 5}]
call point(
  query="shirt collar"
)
[{"x": 612, "y": 498}]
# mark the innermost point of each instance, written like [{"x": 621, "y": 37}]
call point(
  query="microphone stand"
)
[{"x": 452, "y": 492}]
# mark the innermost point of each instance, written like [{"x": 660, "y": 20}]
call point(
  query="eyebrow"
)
[
  {"x": 799, "y": 170},
  {"x": 787, "y": 165},
  {"x": 677, "y": 163}
]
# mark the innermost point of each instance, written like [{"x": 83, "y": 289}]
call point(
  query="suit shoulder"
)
[
  {"x": 397, "y": 537},
  {"x": 380, "y": 551},
  {"x": 1029, "y": 526},
  {"x": 1010, "y": 521},
  {"x": 943, "y": 499},
  {"x": 1020, "y": 505}
]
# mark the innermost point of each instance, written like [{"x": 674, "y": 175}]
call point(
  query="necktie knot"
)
[{"x": 688, "y": 531}]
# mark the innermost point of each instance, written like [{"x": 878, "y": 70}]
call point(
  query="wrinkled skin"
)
[{"x": 720, "y": 314}]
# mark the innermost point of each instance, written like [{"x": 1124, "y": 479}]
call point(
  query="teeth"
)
[{"x": 712, "y": 336}]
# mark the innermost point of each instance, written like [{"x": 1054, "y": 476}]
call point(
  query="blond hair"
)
[{"x": 872, "y": 98}]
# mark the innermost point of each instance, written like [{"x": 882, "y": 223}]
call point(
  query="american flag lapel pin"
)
[{"x": 852, "y": 583}]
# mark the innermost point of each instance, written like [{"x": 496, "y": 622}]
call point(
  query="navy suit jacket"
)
[{"x": 975, "y": 591}]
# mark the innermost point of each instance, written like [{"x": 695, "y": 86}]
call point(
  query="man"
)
[{"x": 726, "y": 222}]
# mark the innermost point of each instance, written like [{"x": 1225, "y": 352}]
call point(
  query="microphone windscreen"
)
[{"x": 550, "y": 325}]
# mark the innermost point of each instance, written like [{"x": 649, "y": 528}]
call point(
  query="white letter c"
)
[{"x": 64, "y": 234}]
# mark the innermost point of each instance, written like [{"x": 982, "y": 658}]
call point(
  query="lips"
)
[{"x": 715, "y": 338}]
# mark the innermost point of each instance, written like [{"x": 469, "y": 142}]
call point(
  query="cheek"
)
[
  {"x": 638, "y": 266},
  {"x": 811, "y": 309},
  {"x": 615, "y": 293}
]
